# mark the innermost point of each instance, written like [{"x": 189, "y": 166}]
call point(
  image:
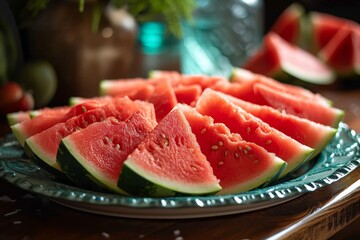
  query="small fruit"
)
[
  {"x": 10, "y": 92},
  {"x": 25, "y": 103},
  {"x": 39, "y": 77}
]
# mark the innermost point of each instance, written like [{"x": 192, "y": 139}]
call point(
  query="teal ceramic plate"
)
[{"x": 337, "y": 160}]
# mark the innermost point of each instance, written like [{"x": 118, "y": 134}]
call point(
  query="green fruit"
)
[{"x": 39, "y": 77}]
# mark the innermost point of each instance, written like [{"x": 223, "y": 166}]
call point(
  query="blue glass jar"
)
[{"x": 222, "y": 35}]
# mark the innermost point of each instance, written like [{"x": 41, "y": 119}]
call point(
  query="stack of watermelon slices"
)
[
  {"x": 309, "y": 48},
  {"x": 174, "y": 134}
]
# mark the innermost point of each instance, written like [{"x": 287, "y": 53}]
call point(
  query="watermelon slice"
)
[
  {"x": 323, "y": 28},
  {"x": 300, "y": 129},
  {"x": 17, "y": 117},
  {"x": 308, "y": 109},
  {"x": 168, "y": 162},
  {"x": 287, "y": 62},
  {"x": 265, "y": 94},
  {"x": 163, "y": 98},
  {"x": 240, "y": 75},
  {"x": 253, "y": 129},
  {"x": 93, "y": 158},
  {"x": 30, "y": 127},
  {"x": 289, "y": 24},
  {"x": 43, "y": 146},
  {"x": 342, "y": 52},
  {"x": 237, "y": 170}
]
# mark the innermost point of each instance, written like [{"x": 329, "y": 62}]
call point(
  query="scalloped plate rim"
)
[{"x": 173, "y": 207}]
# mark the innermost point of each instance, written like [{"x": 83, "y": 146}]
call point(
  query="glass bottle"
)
[{"x": 222, "y": 35}]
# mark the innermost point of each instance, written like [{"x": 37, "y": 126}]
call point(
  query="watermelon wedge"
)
[
  {"x": 284, "y": 61},
  {"x": 17, "y": 117},
  {"x": 300, "y": 129},
  {"x": 253, "y": 129},
  {"x": 93, "y": 159},
  {"x": 289, "y": 24},
  {"x": 240, "y": 75},
  {"x": 323, "y": 28},
  {"x": 168, "y": 162},
  {"x": 308, "y": 109},
  {"x": 42, "y": 147},
  {"x": 342, "y": 52},
  {"x": 30, "y": 127},
  {"x": 237, "y": 170}
]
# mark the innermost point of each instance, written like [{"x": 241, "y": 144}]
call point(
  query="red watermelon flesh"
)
[
  {"x": 163, "y": 98},
  {"x": 188, "y": 94},
  {"x": 308, "y": 109},
  {"x": 32, "y": 126},
  {"x": 102, "y": 153},
  {"x": 240, "y": 75},
  {"x": 122, "y": 87},
  {"x": 168, "y": 162},
  {"x": 300, "y": 129},
  {"x": 253, "y": 129},
  {"x": 238, "y": 169},
  {"x": 43, "y": 146},
  {"x": 342, "y": 52},
  {"x": 288, "y": 24}
]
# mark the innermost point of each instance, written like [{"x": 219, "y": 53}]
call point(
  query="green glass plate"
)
[{"x": 338, "y": 159}]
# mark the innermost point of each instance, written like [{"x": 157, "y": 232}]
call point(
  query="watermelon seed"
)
[
  {"x": 236, "y": 155},
  {"x": 226, "y": 153},
  {"x": 214, "y": 147},
  {"x": 166, "y": 142},
  {"x": 240, "y": 148},
  {"x": 268, "y": 142},
  {"x": 245, "y": 151},
  {"x": 193, "y": 168},
  {"x": 221, "y": 143},
  {"x": 248, "y": 130},
  {"x": 248, "y": 148},
  {"x": 220, "y": 163},
  {"x": 117, "y": 146},
  {"x": 203, "y": 131},
  {"x": 83, "y": 108},
  {"x": 163, "y": 135}
]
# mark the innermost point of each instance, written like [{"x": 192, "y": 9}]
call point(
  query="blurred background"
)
[{"x": 59, "y": 49}]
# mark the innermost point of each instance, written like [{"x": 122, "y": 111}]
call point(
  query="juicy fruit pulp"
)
[
  {"x": 168, "y": 162},
  {"x": 44, "y": 145},
  {"x": 239, "y": 165},
  {"x": 254, "y": 130},
  {"x": 79, "y": 156}
]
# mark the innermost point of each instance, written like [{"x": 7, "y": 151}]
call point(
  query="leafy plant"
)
[{"x": 171, "y": 11}]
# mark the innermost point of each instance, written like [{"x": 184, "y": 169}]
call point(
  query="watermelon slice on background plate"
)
[
  {"x": 282, "y": 60},
  {"x": 289, "y": 25}
]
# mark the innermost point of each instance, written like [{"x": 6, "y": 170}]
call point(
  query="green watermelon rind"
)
[
  {"x": 289, "y": 73},
  {"x": 40, "y": 158},
  {"x": 133, "y": 178},
  {"x": 19, "y": 133},
  {"x": 79, "y": 170},
  {"x": 268, "y": 176},
  {"x": 16, "y": 117}
]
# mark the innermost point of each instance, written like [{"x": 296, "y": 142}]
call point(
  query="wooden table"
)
[{"x": 315, "y": 215}]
